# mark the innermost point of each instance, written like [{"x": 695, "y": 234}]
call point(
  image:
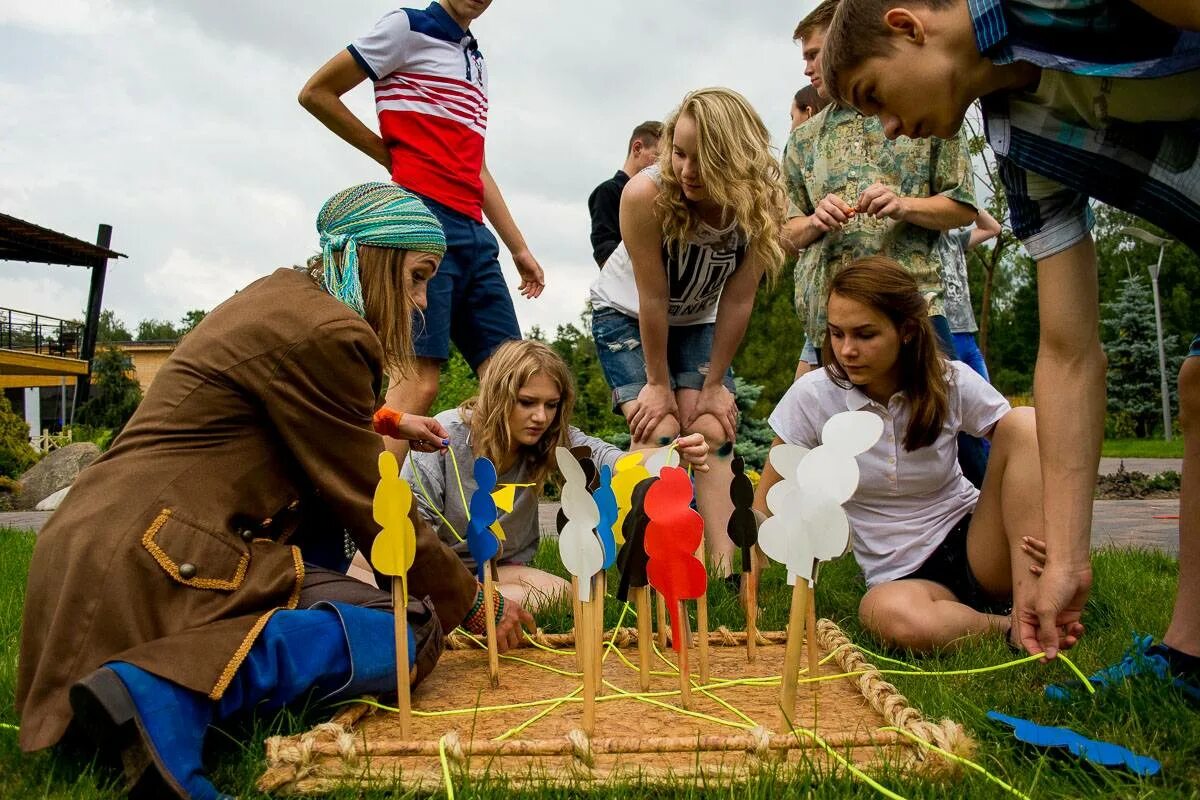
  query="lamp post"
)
[{"x": 1150, "y": 238}]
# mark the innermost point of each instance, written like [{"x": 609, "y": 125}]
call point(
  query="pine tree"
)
[{"x": 1134, "y": 396}]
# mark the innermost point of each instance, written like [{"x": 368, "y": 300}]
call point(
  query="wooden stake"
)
[
  {"x": 685, "y": 672},
  {"x": 585, "y": 645},
  {"x": 400, "y": 612},
  {"x": 577, "y": 616},
  {"x": 750, "y": 582},
  {"x": 791, "y": 659},
  {"x": 702, "y": 635},
  {"x": 814, "y": 655},
  {"x": 645, "y": 625},
  {"x": 661, "y": 621},
  {"x": 489, "y": 607},
  {"x": 599, "y": 587}
]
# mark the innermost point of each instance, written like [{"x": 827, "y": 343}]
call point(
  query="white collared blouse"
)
[{"x": 907, "y": 502}]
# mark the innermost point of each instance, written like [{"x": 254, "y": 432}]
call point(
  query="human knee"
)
[
  {"x": 713, "y": 432},
  {"x": 1189, "y": 395},
  {"x": 661, "y": 435},
  {"x": 896, "y": 620}
]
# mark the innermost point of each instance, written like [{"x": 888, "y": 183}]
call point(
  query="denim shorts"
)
[
  {"x": 469, "y": 301},
  {"x": 619, "y": 348},
  {"x": 1195, "y": 351},
  {"x": 809, "y": 352}
]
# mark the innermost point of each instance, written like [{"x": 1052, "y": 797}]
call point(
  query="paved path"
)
[{"x": 1150, "y": 466}]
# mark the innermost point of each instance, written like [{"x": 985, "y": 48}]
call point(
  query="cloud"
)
[{"x": 177, "y": 123}]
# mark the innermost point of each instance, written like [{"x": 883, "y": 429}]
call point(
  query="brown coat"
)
[{"x": 256, "y": 431}]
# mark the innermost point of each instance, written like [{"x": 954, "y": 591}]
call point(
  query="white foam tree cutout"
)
[
  {"x": 578, "y": 545},
  {"x": 808, "y": 522},
  {"x": 667, "y": 456}
]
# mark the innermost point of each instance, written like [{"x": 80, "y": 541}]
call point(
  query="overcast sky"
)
[{"x": 177, "y": 123}]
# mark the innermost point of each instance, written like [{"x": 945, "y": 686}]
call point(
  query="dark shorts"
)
[
  {"x": 469, "y": 302},
  {"x": 619, "y": 349},
  {"x": 1195, "y": 351},
  {"x": 949, "y": 566}
]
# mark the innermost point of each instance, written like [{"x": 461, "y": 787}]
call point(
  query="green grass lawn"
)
[
  {"x": 1143, "y": 448},
  {"x": 1133, "y": 592}
]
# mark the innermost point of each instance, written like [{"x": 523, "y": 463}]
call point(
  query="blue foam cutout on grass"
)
[{"x": 1104, "y": 753}]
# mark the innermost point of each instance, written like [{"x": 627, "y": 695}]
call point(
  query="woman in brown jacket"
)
[{"x": 197, "y": 568}]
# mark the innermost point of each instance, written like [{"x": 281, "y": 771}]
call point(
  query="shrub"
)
[{"x": 16, "y": 454}]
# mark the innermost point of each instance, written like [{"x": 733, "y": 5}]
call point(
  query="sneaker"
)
[{"x": 1143, "y": 658}]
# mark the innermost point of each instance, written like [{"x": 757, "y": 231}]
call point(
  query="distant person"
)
[
  {"x": 431, "y": 94},
  {"x": 670, "y": 308},
  {"x": 959, "y": 312},
  {"x": 805, "y": 105},
  {"x": 604, "y": 203}
]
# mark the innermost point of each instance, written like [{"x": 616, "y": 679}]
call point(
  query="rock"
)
[
  {"x": 52, "y": 502},
  {"x": 56, "y": 471}
]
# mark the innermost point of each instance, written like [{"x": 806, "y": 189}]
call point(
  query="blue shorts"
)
[
  {"x": 469, "y": 302},
  {"x": 809, "y": 352},
  {"x": 966, "y": 349},
  {"x": 1195, "y": 351},
  {"x": 619, "y": 348}
]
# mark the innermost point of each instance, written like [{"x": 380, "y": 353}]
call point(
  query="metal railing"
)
[{"x": 38, "y": 333}]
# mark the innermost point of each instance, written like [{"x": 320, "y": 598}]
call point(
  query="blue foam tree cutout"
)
[
  {"x": 1105, "y": 754},
  {"x": 481, "y": 542},
  {"x": 606, "y": 502}
]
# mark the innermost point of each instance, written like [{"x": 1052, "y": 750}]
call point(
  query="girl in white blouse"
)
[{"x": 942, "y": 559}]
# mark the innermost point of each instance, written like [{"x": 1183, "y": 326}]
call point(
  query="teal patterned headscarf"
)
[{"x": 377, "y": 214}]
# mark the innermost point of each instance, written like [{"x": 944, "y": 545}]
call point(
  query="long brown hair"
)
[
  {"x": 887, "y": 287},
  {"x": 511, "y": 367},
  {"x": 389, "y": 310}
]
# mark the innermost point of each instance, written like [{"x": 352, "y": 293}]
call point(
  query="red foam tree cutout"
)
[{"x": 673, "y": 535}]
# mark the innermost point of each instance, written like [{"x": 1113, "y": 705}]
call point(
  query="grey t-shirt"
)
[
  {"x": 438, "y": 485},
  {"x": 952, "y": 251}
]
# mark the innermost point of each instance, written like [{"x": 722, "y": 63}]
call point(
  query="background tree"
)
[
  {"x": 771, "y": 348},
  {"x": 116, "y": 392},
  {"x": 152, "y": 330},
  {"x": 190, "y": 320},
  {"x": 111, "y": 329},
  {"x": 1134, "y": 387}
]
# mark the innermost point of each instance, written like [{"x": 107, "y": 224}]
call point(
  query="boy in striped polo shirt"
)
[{"x": 431, "y": 95}]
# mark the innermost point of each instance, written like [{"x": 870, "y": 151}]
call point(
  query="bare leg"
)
[
  {"x": 413, "y": 396},
  {"x": 1183, "y": 634},
  {"x": 1009, "y": 510},
  {"x": 712, "y": 487},
  {"x": 923, "y": 615},
  {"x": 531, "y": 587}
]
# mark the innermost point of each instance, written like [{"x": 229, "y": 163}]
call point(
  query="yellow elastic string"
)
[
  {"x": 1086, "y": 683},
  {"x": 855, "y": 771},
  {"x": 433, "y": 505},
  {"x": 458, "y": 477},
  {"x": 445, "y": 768},
  {"x": 538, "y": 716},
  {"x": 8, "y": 727},
  {"x": 958, "y": 759}
]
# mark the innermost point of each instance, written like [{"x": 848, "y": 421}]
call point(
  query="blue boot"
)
[
  {"x": 331, "y": 650},
  {"x": 156, "y": 726}
]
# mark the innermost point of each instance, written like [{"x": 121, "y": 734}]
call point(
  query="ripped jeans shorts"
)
[{"x": 619, "y": 348}]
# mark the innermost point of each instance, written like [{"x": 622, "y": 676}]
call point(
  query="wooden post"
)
[
  {"x": 814, "y": 655},
  {"x": 404, "y": 700},
  {"x": 661, "y": 620},
  {"x": 685, "y": 672},
  {"x": 584, "y": 646},
  {"x": 702, "y": 636},
  {"x": 750, "y": 584},
  {"x": 489, "y": 607},
  {"x": 641, "y": 597},
  {"x": 791, "y": 659},
  {"x": 578, "y": 630},
  {"x": 599, "y": 587}
]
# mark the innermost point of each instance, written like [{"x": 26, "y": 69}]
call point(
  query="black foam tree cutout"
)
[
  {"x": 743, "y": 528},
  {"x": 632, "y": 558}
]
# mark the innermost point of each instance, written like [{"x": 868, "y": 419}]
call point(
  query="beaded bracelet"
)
[{"x": 475, "y": 621}]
